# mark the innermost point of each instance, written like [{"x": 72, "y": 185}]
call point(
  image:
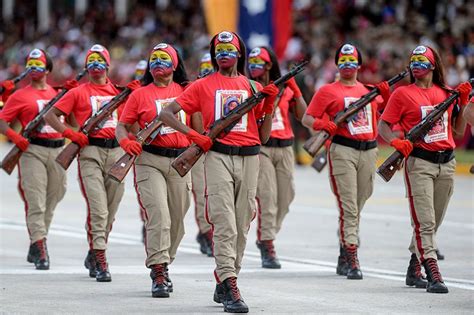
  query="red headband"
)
[
  {"x": 348, "y": 49},
  {"x": 170, "y": 51},
  {"x": 101, "y": 50},
  {"x": 227, "y": 38},
  {"x": 260, "y": 52},
  {"x": 424, "y": 51},
  {"x": 37, "y": 54}
]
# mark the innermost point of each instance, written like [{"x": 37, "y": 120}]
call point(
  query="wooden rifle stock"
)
[
  {"x": 120, "y": 169},
  {"x": 185, "y": 161},
  {"x": 314, "y": 144},
  {"x": 472, "y": 169},
  {"x": 11, "y": 159},
  {"x": 394, "y": 161},
  {"x": 320, "y": 161},
  {"x": 17, "y": 79},
  {"x": 67, "y": 155}
]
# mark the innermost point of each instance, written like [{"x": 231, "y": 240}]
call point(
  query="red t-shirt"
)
[
  {"x": 25, "y": 104},
  {"x": 281, "y": 125},
  {"x": 408, "y": 105},
  {"x": 215, "y": 95},
  {"x": 145, "y": 103},
  {"x": 85, "y": 100},
  {"x": 334, "y": 97}
]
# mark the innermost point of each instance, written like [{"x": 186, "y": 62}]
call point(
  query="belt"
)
[
  {"x": 437, "y": 157},
  {"x": 358, "y": 145},
  {"x": 167, "y": 152},
  {"x": 235, "y": 150},
  {"x": 104, "y": 143},
  {"x": 49, "y": 143},
  {"x": 279, "y": 143}
]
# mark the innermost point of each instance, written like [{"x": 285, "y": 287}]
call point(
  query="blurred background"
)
[{"x": 385, "y": 31}]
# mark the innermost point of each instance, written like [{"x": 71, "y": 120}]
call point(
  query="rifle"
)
[
  {"x": 185, "y": 161},
  {"x": 320, "y": 161},
  {"x": 17, "y": 79},
  {"x": 145, "y": 136},
  {"x": 472, "y": 169},
  {"x": 313, "y": 144},
  {"x": 67, "y": 155},
  {"x": 394, "y": 161},
  {"x": 12, "y": 157}
]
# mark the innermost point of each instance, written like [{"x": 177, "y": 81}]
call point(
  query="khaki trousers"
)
[
  {"x": 429, "y": 188},
  {"x": 199, "y": 185},
  {"x": 165, "y": 197},
  {"x": 231, "y": 186},
  {"x": 42, "y": 184},
  {"x": 276, "y": 189},
  {"x": 351, "y": 174},
  {"x": 102, "y": 194}
]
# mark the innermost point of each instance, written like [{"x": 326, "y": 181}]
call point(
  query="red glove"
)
[
  {"x": 70, "y": 84},
  {"x": 326, "y": 125},
  {"x": 131, "y": 136},
  {"x": 384, "y": 90},
  {"x": 21, "y": 142},
  {"x": 8, "y": 87},
  {"x": 291, "y": 83},
  {"x": 131, "y": 146},
  {"x": 135, "y": 84},
  {"x": 464, "y": 89},
  {"x": 403, "y": 146},
  {"x": 327, "y": 144},
  {"x": 271, "y": 92},
  {"x": 76, "y": 137},
  {"x": 202, "y": 141}
]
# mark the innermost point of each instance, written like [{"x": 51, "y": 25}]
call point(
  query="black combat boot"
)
[
  {"x": 268, "y": 255},
  {"x": 342, "y": 266},
  {"x": 169, "y": 283},
  {"x": 33, "y": 253},
  {"x": 354, "y": 272},
  {"x": 42, "y": 258},
  {"x": 233, "y": 302},
  {"x": 102, "y": 268},
  {"x": 414, "y": 276},
  {"x": 439, "y": 255},
  {"x": 219, "y": 293},
  {"x": 435, "y": 281},
  {"x": 201, "y": 239},
  {"x": 89, "y": 263},
  {"x": 159, "y": 285},
  {"x": 144, "y": 234}
]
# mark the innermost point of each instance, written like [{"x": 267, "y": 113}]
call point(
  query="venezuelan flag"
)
[{"x": 258, "y": 22}]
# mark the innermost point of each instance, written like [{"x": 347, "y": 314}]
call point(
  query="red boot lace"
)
[
  {"x": 234, "y": 289},
  {"x": 433, "y": 267},
  {"x": 418, "y": 272},
  {"x": 101, "y": 261},
  {"x": 41, "y": 245},
  {"x": 269, "y": 248},
  {"x": 352, "y": 259},
  {"x": 159, "y": 273}
]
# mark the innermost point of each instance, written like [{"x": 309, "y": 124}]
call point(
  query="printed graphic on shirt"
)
[
  {"x": 362, "y": 121},
  {"x": 277, "y": 121},
  {"x": 439, "y": 131},
  {"x": 227, "y": 100},
  {"x": 181, "y": 115},
  {"x": 44, "y": 127},
  {"x": 97, "y": 102}
]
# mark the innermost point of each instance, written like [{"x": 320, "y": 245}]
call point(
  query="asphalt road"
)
[{"x": 307, "y": 247}]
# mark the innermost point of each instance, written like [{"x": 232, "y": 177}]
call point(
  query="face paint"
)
[
  {"x": 226, "y": 55},
  {"x": 96, "y": 65},
  {"x": 420, "y": 66},
  {"x": 205, "y": 68},
  {"x": 37, "y": 68},
  {"x": 161, "y": 64},
  {"x": 256, "y": 67}
]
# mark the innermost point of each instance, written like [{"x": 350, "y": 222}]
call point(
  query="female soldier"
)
[
  {"x": 99, "y": 152},
  {"x": 162, "y": 193},
  {"x": 275, "y": 180},
  {"x": 353, "y": 151},
  {"x": 430, "y": 164},
  {"x": 42, "y": 182},
  {"x": 231, "y": 167}
]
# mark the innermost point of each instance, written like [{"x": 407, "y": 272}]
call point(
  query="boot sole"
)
[
  {"x": 41, "y": 268},
  {"x": 242, "y": 310},
  {"x": 414, "y": 284},
  {"x": 104, "y": 280},
  {"x": 160, "y": 295},
  {"x": 271, "y": 267},
  {"x": 439, "y": 291}
]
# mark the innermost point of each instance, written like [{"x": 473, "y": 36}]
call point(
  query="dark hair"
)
[
  {"x": 438, "y": 71},
  {"x": 179, "y": 74},
  {"x": 359, "y": 55},
  {"x": 242, "y": 58},
  {"x": 49, "y": 61},
  {"x": 274, "y": 72}
]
